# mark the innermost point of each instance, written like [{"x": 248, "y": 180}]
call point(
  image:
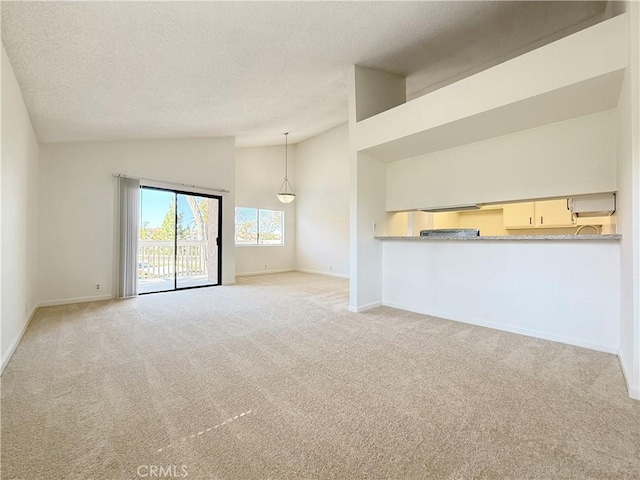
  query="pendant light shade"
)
[{"x": 286, "y": 195}]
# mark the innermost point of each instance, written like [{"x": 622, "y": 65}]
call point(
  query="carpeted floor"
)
[{"x": 274, "y": 379}]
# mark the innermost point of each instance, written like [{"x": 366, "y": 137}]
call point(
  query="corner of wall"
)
[
  {"x": 19, "y": 211},
  {"x": 628, "y": 214}
]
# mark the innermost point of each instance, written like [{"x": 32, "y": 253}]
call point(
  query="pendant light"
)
[{"x": 286, "y": 194}]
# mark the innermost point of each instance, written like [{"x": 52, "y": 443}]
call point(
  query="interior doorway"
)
[{"x": 179, "y": 245}]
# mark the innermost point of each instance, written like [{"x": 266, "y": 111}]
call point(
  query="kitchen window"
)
[{"x": 257, "y": 226}]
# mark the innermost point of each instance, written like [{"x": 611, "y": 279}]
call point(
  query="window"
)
[{"x": 255, "y": 226}]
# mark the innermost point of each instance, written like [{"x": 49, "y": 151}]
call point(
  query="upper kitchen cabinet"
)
[
  {"x": 543, "y": 214},
  {"x": 519, "y": 215},
  {"x": 553, "y": 213}
]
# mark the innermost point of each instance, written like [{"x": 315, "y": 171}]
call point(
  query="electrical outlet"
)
[
  {"x": 97, "y": 286},
  {"x": 331, "y": 268},
  {"x": 374, "y": 226},
  {"x": 265, "y": 267}
]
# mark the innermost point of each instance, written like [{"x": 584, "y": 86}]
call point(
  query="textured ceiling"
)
[{"x": 123, "y": 70}]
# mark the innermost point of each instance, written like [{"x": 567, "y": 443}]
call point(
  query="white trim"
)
[
  {"x": 506, "y": 328},
  {"x": 264, "y": 272},
  {"x": 251, "y": 245},
  {"x": 14, "y": 345},
  {"x": 365, "y": 307},
  {"x": 70, "y": 301},
  {"x": 318, "y": 272},
  {"x": 634, "y": 392}
]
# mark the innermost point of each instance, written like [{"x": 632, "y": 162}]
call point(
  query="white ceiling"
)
[{"x": 122, "y": 70}]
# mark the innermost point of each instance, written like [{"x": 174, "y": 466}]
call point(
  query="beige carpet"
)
[{"x": 274, "y": 379}]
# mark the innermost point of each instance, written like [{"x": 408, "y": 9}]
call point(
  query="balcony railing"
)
[{"x": 157, "y": 259}]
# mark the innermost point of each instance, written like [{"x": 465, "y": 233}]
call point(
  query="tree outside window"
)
[{"x": 256, "y": 226}]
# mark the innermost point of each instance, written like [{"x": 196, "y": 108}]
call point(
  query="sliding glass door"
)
[
  {"x": 179, "y": 243},
  {"x": 197, "y": 259}
]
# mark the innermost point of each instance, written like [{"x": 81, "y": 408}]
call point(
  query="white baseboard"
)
[
  {"x": 506, "y": 328},
  {"x": 70, "y": 301},
  {"x": 318, "y": 272},
  {"x": 634, "y": 392},
  {"x": 264, "y": 272},
  {"x": 364, "y": 308},
  {"x": 16, "y": 342}
]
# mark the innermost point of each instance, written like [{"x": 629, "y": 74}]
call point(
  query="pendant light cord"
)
[
  {"x": 286, "y": 156},
  {"x": 285, "y": 194}
]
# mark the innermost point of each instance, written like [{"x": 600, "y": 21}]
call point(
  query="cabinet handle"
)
[
  {"x": 541, "y": 221},
  {"x": 530, "y": 220}
]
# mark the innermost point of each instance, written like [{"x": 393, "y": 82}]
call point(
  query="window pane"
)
[
  {"x": 271, "y": 227},
  {"x": 197, "y": 255},
  {"x": 156, "y": 246},
  {"x": 246, "y": 226}
]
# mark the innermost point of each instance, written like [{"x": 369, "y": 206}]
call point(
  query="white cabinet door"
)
[
  {"x": 518, "y": 215},
  {"x": 553, "y": 213}
]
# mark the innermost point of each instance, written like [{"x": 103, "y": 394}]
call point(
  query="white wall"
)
[
  {"x": 19, "y": 214},
  {"x": 563, "y": 291},
  {"x": 322, "y": 210},
  {"x": 369, "y": 92},
  {"x": 77, "y": 208},
  {"x": 377, "y": 91},
  {"x": 366, "y": 252},
  {"x": 628, "y": 216},
  {"x": 259, "y": 174},
  {"x": 567, "y": 158}
]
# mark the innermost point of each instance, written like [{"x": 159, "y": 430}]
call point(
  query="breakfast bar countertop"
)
[{"x": 504, "y": 238}]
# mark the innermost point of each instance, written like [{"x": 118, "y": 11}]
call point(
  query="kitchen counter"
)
[
  {"x": 559, "y": 287},
  {"x": 507, "y": 238}
]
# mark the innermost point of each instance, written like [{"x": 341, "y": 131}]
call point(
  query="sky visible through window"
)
[{"x": 154, "y": 205}]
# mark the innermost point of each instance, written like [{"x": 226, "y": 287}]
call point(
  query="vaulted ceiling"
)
[{"x": 92, "y": 71}]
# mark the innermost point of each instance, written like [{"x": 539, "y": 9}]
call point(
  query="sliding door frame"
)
[{"x": 175, "y": 238}]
